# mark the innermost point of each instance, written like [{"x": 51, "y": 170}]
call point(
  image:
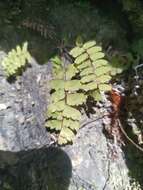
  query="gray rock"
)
[
  {"x": 18, "y": 130},
  {"x": 29, "y": 161},
  {"x": 3, "y": 107}
]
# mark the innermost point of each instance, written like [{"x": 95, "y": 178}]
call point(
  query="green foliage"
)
[
  {"x": 94, "y": 70},
  {"x": 70, "y": 91},
  {"x": 129, "y": 5},
  {"x": 16, "y": 60},
  {"x": 63, "y": 114},
  {"x": 88, "y": 75},
  {"x": 134, "y": 12},
  {"x": 120, "y": 63},
  {"x": 137, "y": 47}
]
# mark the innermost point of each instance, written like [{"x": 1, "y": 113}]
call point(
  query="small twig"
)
[
  {"x": 136, "y": 70},
  {"x": 92, "y": 121},
  {"x": 128, "y": 138}
]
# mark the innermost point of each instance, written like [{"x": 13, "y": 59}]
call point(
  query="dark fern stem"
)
[{"x": 45, "y": 30}]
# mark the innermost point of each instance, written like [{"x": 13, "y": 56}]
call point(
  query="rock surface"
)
[
  {"x": 28, "y": 159},
  {"x": 22, "y": 105}
]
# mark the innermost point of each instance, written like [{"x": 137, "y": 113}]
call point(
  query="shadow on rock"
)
[
  {"x": 133, "y": 156},
  {"x": 134, "y": 162},
  {"x": 43, "y": 169}
]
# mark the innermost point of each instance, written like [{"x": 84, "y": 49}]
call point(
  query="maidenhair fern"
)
[
  {"x": 62, "y": 112},
  {"x": 93, "y": 68},
  {"x": 16, "y": 60},
  {"x": 88, "y": 75}
]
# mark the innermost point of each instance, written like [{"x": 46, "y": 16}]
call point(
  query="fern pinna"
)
[
  {"x": 93, "y": 68},
  {"x": 62, "y": 112},
  {"x": 16, "y": 60}
]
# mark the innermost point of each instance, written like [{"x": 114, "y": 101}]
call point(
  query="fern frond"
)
[
  {"x": 93, "y": 68},
  {"x": 63, "y": 116},
  {"x": 16, "y": 60},
  {"x": 68, "y": 92}
]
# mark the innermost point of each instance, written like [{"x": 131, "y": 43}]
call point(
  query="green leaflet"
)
[
  {"x": 76, "y": 99},
  {"x": 54, "y": 124},
  {"x": 71, "y": 71},
  {"x": 56, "y": 61},
  {"x": 72, "y": 85},
  {"x": 58, "y": 95},
  {"x": 75, "y": 52},
  {"x": 57, "y": 67},
  {"x": 89, "y": 44},
  {"x": 57, "y": 84},
  {"x": 62, "y": 140},
  {"x": 100, "y": 62},
  {"x": 103, "y": 79},
  {"x": 79, "y": 41},
  {"x": 84, "y": 65},
  {"x": 55, "y": 115},
  {"x": 58, "y": 73},
  {"x": 88, "y": 78},
  {"x": 86, "y": 71},
  {"x": 81, "y": 58},
  {"x": 96, "y": 56},
  {"x": 102, "y": 70},
  {"x": 16, "y": 60},
  {"x": 73, "y": 125},
  {"x": 104, "y": 87},
  {"x": 96, "y": 95},
  {"x": 66, "y": 135},
  {"x": 94, "y": 49},
  {"x": 58, "y": 106},
  {"x": 18, "y": 50},
  {"x": 89, "y": 86},
  {"x": 72, "y": 113}
]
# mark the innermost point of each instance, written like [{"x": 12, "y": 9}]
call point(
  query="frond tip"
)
[
  {"x": 16, "y": 60},
  {"x": 94, "y": 70}
]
